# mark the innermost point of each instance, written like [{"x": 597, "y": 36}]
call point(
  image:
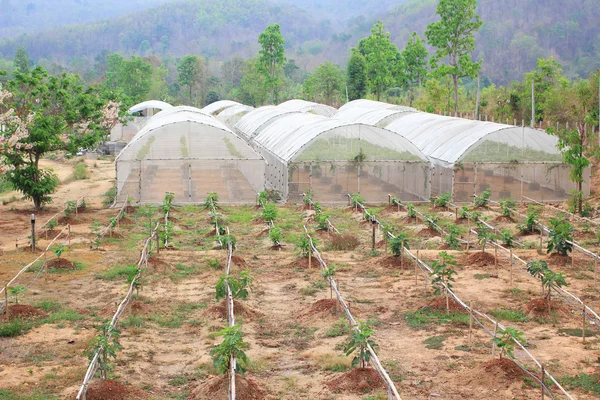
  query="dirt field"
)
[{"x": 295, "y": 335}]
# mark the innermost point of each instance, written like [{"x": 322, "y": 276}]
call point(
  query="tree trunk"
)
[
  {"x": 411, "y": 96},
  {"x": 37, "y": 199},
  {"x": 455, "y": 81}
]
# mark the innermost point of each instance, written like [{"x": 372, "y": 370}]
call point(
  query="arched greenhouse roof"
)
[
  {"x": 372, "y": 116},
  {"x": 219, "y": 106},
  {"x": 373, "y": 105},
  {"x": 230, "y": 113},
  {"x": 309, "y": 137},
  {"x": 152, "y": 104},
  {"x": 182, "y": 115},
  {"x": 447, "y": 140},
  {"x": 252, "y": 123},
  {"x": 308, "y": 106}
]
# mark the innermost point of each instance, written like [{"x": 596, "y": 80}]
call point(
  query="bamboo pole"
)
[
  {"x": 512, "y": 263},
  {"x": 494, "y": 343},
  {"x": 471, "y": 321},
  {"x": 542, "y": 377},
  {"x": 583, "y": 325},
  {"x": 6, "y": 300}
]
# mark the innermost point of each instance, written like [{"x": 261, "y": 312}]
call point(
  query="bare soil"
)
[
  {"x": 216, "y": 388},
  {"x": 24, "y": 311},
  {"x": 358, "y": 380},
  {"x": 113, "y": 390},
  {"x": 480, "y": 259},
  {"x": 303, "y": 263},
  {"x": 60, "y": 263},
  {"x": 440, "y": 304}
]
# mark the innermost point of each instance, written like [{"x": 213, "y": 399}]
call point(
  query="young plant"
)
[
  {"x": 443, "y": 199},
  {"x": 360, "y": 340},
  {"x": 51, "y": 224},
  {"x": 147, "y": 213},
  {"x": 303, "y": 246},
  {"x": 263, "y": 198},
  {"x": 328, "y": 274},
  {"x": 276, "y": 236},
  {"x": 443, "y": 275},
  {"x": 16, "y": 291},
  {"x": 507, "y": 238},
  {"x": 70, "y": 208},
  {"x": 356, "y": 200},
  {"x": 240, "y": 288},
  {"x": 395, "y": 201},
  {"x": 561, "y": 237},
  {"x": 411, "y": 211},
  {"x": 168, "y": 202},
  {"x": 227, "y": 240},
  {"x": 308, "y": 197},
  {"x": 431, "y": 223},
  {"x": 452, "y": 239},
  {"x": 399, "y": 243},
  {"x": 530, "y": 225},
  {"x": 232, "y": 345},
  {"x": 507, "y": 206},
  {"x": 537, "y": 269},
  {"x": 483, "y": 199},
  {"x": 475, "y": 216},
  {"x": 212, "y": 201},
  {"x": 58, "y": 250},
  {"x": 321, "y": 220},
  {"x": 550, "y": 279},
  {"x": 166, "y": 234},
  {"x": 95, "y": 229},
  {"x": 506, "y": 341},
  {"x": 106, "y": 349},
  {"x": 318, "y": 208},
  {"x": 269, "y": 213},
  {"x": 463, "y": 212},
  {"x": 484, "y": 235}
]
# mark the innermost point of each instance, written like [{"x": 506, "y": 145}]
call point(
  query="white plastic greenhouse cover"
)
[
  {"x": 374, "y": 105},
  {"x": 447, "y": 139},
  {"x": 230, "y": 112},
  {"x": 371, "y": 116},
  {"x": 289, "y": 135},
  {"x": 251, "y": 123},
  {"x": 173, "y": 116},
  {"x": 160, "y": 105},
  {"x": 218, "y": 106},
  {"x": 308, "y": 106}
]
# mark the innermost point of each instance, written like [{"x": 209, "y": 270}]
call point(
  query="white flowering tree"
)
[{"x": 40, "y": 114}]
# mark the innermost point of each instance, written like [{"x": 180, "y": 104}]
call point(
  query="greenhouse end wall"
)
[{"x": 539, "y": 181}]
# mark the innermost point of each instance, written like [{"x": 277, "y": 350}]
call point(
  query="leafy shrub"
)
[
  {"x": 240, "y": 288},
  {"x": 80, "y": 172},
  {"x": 443, "y": 272},
  {"x": 227, "y": 240},
  {"x": 360, "y": 339},
  {"x": 483, "y": 199},
  {"x": 484, "y": 235},
  {"x": 308, "y": 197},
  {"x": 530, "y": 225},
  {"x": 443, "y": 199},
  {"x": 506, "y": 237},
  {"x": 507, "y": 206},
  {"x": 399, "y": 243},
  {"x": 452, "y": 239},
  {"x": 431, "y": 222},
  {"x": 303, "y": 246},
  {"x": 52, "y": 224},
  {"x": 276, "y": 236},
  {"x": 411, "y": 211},
  {"x": 70, "y": 207},
  {"x": 212, "y": 200},
  {"x": 463, "y": 212},
  {"x": 232, "y": 345},
  {"x": 506, "y": 341},
  {"x": 356, "y": 199},
  {"x": 395, "y": 201},
  {"x": 109, "y": 196},
  {"x": 321, "y": 220},
  {"x": 269, "y": 213},
  {"x": 561, "y": 237}
]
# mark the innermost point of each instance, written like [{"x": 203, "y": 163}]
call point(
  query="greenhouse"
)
[
  {"x": 253, "y": 122},
  {"x": 308, "y": 107},
  {"x": 470, "y": 157},
  {"x": 232, "y": 115},
  {"x": 218, "y": 106},
  {"x": 187, "y": 152},
  {"x": 334, "y": 158},
  {"x": 140, "y": 113}
]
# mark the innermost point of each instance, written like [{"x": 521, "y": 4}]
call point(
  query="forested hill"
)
[
  {"x": 514, "y": 35},
  {"x": 214, "y": 28},
  {"x": 26, "y": 16}
]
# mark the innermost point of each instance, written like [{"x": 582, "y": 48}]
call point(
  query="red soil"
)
[
  {"x": 216, "y": 388},
  {"x": 358, "y": 380},
  {"x": 60, "y": 263},
  {"x": 113, "y": 390}
]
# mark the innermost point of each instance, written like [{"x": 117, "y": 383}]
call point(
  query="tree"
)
[
  {"x": 240, "y": 288},
  {"x": 328, "y": 274},
  {"x": 360, "y": 340},
  {"x": 443, "y": 275},
  {"x": 357, "y": 76},
  {"x": 22, "y": 60},
  {"x": 252, "y": 85},
  {"x": 381, "y": 56},
  {"x": 40, "y": 114},
  {"x": 454, "y": 38},
  {"x": 193, "y": 75},
  {"x": 561, "y": 237},
  {"x": 105, "y": 348},
  {"x": 415, "y": 64},
  {"x": 231, "y": 346},
  {"x": 271, "y": 59},
  {"x": 506, "y": 341},
  {"x": 325, "y": 85},
  {"x": 133, "y": 77}
]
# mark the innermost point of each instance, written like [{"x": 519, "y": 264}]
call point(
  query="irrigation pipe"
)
[{"x": 570, "y": 214}]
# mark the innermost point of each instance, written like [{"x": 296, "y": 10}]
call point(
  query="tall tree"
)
[
  {"x": 357, "y": 76},
  {"x": 325, "y": 85},
  {"x": 22, "y": 60},
  {"x": 415, "y": 64},
  {"x": 188, "y": 71},
  {"x": 40, "y": 114},
  {"x": 381, "y": 56},
  {"x": 454, "y": 38},
  {"x": 272, "y": 58}
]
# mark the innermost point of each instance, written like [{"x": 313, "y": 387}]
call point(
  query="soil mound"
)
[
  {"x": 303, "y": 263},
  {"x": 440, "y": 304},
  {"x": 239, "y": 261},
  {"x": 499, "y": 371},
  {"x": 428, "y": 233},
  {"x": 61, "y": 264},
  {"x": 480, "y": 259},
  {"x": 125, "y": 221},
  {"x": 539, "y": 308},
  {"x": 395, "y": 262},
  {"x": 113, "y": 390},
  {"x": 220, "y": 310},
  {"x": 24, "y": 311},
  {"x": 409, "y": 220},
  {"x": 559, "y": 260},
  {"x": 216, "y": 388},
  {"x": 324, "y": 306},
  {"x": 358, "y": 380},
  {"x": 502, "y": 219}
]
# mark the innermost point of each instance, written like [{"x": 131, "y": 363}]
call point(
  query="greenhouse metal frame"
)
[{"x": 188, "y": 152}]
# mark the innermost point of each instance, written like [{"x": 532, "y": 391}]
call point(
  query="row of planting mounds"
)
[
  {"x": 358, "y": 380},
  {"x": 217, "y": 388},
  {"x": 113, "y": 390}
]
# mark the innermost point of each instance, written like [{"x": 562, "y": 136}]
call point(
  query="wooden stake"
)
[
  {"x": 309, "y": 256},
  {"x": 541, "y": 238},
  {"x": 416, "y": 275},
  {"x": 157, "y": 243},
  {"x": 595, "y": 271},
  {"x": 496, "y": 258},
  {"x": 494, "y": 343},
  {"x": 69, "y": 235},
  {"x": 471, "y": 322},
  {"x": 6, "y": 300},
  {"x": 447, "y": 302},
  {"x": 543, "y": 376},
  {"x": 583, "y": 324},
  {"x": 573, "y": 259},
  {"x": 512, "y": 262},
  {"x": 469, "y": 236}
]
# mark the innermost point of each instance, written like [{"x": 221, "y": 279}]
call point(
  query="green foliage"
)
[
  {"x": 192, "y": 75},
  {"x": 452, "y": 239},
  {"x": 269, "y": 213},
  {"x": 276, "y": 236},
  {"x": 271, "y": 59},
  {"x": 303, "y": 246},
  {"x": 510, "y": 315},
  {"x": 16, "y": 291},
  {"x": 80, "y": 172},
  {"x": 399, "y": 243},
  {"x": 147, "y": 213},
  {"x": 411, "y": 211},
  {"x": 168, "y": 202},
  {"x": 530, "y": 224},
  {"x": 414, "y": 66},
  {"x": 232, "y": 345},
  {"x": 584, "y": 382},
  {"x": 70, "y": 207},
  {"x": 227, "y": 240},
  {"x": 51, "y": 224},
  {"x": 507, "y": 206},
  {"x": 360, "y": 339},
  {"x": 357, "y": 76},
  {"x": 561, "y": 237},
  {"x": 119, "y": 271},
  {"x": 328, "y": 274},
  {"x": 484, "y": 235},
  {"x": 483, "y": 199},
  {"x": 308, "y": 197},
  {"x": 106, "y": 349},
  {"x": 443, "y": 199},
  {"x": 325, "y": 85},
  {"x": 463, "y": 212},
  {"x": 263, "y": 197},
  {"x": 550, "y": 279},
  {"x": 318, "y": 208},
  {"x": 14, "y": 328},
  {"x": 133, "y": 77},
  {"x": 431, "y": 222},
  {"x": 505, "y": 340},
  {"x": 240, "y": 287},
  {"x": 443, "y": 274},
  {"x": 356, "y": 200},
  {"x": 58, "y": 250},
  {"x": 507, "y": 237},
  {"x": 321, "y": 220},
  {"x": 537, "y": 268},
  {"x": 395, "y": 201}
]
